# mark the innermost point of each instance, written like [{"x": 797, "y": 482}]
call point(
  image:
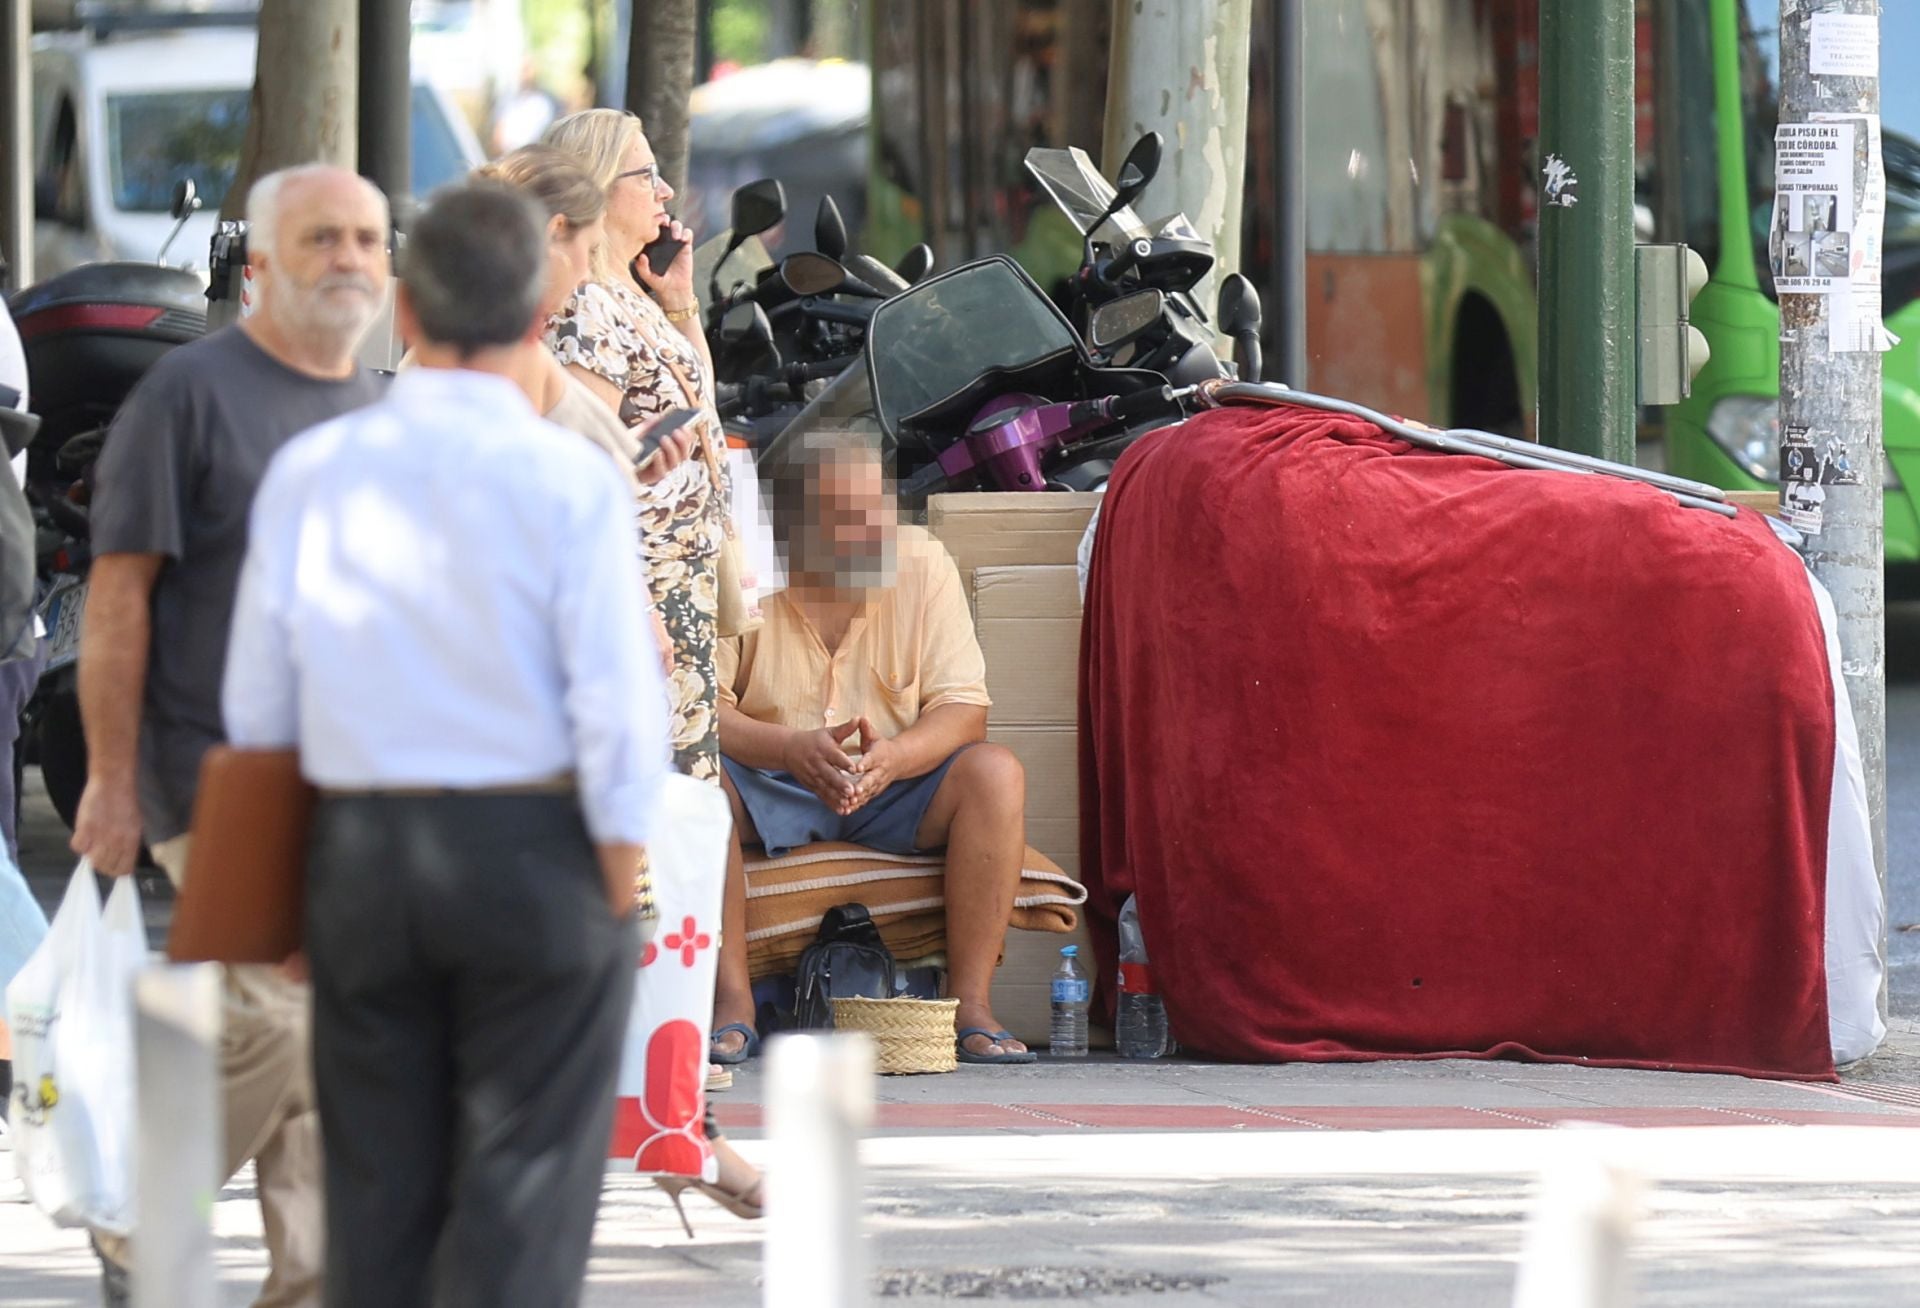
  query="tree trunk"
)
[
  {"x": 1179, "y": 67},
  {"x": 306, "y": 86},
  {"x": 660, "y": 56}
]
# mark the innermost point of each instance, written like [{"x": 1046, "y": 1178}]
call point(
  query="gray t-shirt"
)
[{"x": 177, "y": 477}]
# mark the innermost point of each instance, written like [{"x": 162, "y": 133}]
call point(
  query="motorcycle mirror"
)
[
  {"x": 186, "y": 202},
  {"x": 1239, "y": 306},
  {"x": 830, "y": 230},
  {"x": 186, "y": 198},
  {"x": 743, "y": 323},
  {"x": 915, "y": 264},
  {"x": 1240, "y": 318},
  {"x": 806, "y": 273},
  {"x": 1138, "y": 168},
  {"x": 1116, "y": 322},
  {"x": 757, "y": 207}
]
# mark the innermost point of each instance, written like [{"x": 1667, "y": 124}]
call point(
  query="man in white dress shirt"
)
[{"x": 441, "y": 608}]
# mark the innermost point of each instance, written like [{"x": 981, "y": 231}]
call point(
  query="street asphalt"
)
[{"x": 1179, "y": 1183}]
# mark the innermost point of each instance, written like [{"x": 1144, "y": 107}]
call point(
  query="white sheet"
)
[{"x": 1856, "y": 909}]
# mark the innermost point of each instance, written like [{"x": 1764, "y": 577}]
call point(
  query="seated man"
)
[{"x": 858, "y": 712}]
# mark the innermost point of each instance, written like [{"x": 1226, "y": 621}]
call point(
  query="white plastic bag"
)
[
  {"x": 753, "y": 523},
  {"x": 660, "y": 1111},
  {"x": 71, "y": 1010}
]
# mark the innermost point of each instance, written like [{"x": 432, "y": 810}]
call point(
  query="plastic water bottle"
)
[
  {"x": 1140, "y": 1024},
  {"x": 1072, "y": 996}
]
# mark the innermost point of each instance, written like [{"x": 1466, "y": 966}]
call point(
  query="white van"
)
[{"x": 119, "y": 120}]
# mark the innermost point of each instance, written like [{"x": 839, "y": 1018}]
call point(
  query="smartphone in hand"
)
[
  {"x": 660, "y": 254},
  {"x": 657, "y": 435}
]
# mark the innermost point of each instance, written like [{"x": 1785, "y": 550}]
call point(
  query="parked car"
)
[
  {"x": 801, "y": 120},
  {"x": 119, "y": 120}
]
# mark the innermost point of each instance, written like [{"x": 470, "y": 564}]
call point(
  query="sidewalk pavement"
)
[
  {"x": 1180, "y": 1183},
  {"x": 1189, "y": 1183}
]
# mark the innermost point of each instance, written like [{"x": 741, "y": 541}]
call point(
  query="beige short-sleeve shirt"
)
[{"x": 910, "y": 650}]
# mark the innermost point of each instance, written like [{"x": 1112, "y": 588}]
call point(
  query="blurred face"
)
[
  {"x": 569, "y": 259},
  {"x": 636, "y": 201},
  {"x": 850, "y": 535},
  {"x": 327, "y": 271}
]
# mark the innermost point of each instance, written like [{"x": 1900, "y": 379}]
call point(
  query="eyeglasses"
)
[{"x": 651, "y": 172}]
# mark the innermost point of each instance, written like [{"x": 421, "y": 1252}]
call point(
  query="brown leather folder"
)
[{"x": 243, "y": 895}]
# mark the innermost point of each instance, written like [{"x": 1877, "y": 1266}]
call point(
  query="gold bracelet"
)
[{"x": 681, "y": 315}]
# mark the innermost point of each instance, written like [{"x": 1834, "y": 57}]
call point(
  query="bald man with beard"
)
[{"x": 175, "y": 484}]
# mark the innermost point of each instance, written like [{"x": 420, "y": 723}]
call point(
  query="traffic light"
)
[{"x": 1669, "y": 350}]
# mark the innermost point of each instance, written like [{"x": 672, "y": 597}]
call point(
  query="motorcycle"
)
[
  {"x": 978, "y": 381},
  {"x": 785, "y": 330},
  {"x": 89, "y": 335}
]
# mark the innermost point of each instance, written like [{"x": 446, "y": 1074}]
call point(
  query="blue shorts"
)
[{"x": 788, "y": 815}]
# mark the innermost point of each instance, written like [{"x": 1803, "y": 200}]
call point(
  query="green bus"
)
[{"x": 1422, "y": 183}]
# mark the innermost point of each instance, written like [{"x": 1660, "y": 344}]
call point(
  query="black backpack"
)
[{"x": 847, "y": 959}]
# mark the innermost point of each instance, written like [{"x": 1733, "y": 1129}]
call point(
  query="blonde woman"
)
[
  {"x": 576, "y": 225},
  {"x": 643, "y": 354}
]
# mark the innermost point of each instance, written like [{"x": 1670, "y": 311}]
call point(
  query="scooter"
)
[{"x": 89, "y": 335}]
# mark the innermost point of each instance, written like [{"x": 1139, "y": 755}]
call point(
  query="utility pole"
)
[
  {"x": 1830, "y": 343},
  {"x": 1179, "y": 67},
  {"x": 1587, "y": 386},
  {"x": 16, "y": 144},
  {"x": 305, "y": 92},
  {"x": 386, "y": 98},
  {"x": 660, "y": 55},
  {"x": 1287, "y": 308}
]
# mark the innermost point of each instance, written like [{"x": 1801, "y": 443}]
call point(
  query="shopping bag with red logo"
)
[
  {"x": 71, "y": 1012},
  {"x": 659, "y": 1114}
]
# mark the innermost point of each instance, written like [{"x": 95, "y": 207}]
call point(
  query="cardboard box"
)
[
  {"x": 1028, "y": 621},
  {"x": 1011, "y": 528},
  {"x": 1051, "y": 757},
  {"x": 1018, "y": 557}
]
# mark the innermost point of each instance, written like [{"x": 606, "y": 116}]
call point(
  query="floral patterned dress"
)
[{"x": 625, "y": 337}]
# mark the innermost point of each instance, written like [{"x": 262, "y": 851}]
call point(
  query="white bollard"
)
[
  {"x": 819, "y": 1100},
  {"x": 1576, "y": 1253},
  {"x": 178, "y": 1126}
]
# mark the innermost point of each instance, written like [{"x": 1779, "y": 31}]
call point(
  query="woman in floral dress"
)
[{"x": 644, "y": 353}]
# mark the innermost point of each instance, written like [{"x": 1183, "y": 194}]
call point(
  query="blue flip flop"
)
[
  {"x": 740, "y": 1055},
  {"x": 967, "y": 1055}
]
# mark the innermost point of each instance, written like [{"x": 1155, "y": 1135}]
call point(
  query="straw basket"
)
[{"x": 914, "y": 1035}]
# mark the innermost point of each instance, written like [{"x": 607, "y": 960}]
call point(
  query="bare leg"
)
[
  {"x": 732, "y": 986},
  {"x": 980, "y": 814}
]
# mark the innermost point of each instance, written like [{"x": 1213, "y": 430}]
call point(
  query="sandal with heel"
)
[{"x": 740, "y": 1205}]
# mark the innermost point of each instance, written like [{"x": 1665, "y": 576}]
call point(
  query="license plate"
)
[{"x": 61, "y": 613}]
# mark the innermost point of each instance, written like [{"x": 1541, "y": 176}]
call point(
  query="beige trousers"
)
[{"x": 271, "y": 1117}]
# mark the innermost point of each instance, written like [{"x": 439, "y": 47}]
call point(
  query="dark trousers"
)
[{"x": 470, "y": 991}]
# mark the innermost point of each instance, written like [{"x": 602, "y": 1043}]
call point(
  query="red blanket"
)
[{"x": 1411, "y": 755}]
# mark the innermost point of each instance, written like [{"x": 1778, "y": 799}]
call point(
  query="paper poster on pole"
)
[
  {"x": 1810, "y": 243},
  {"x": 1803, "y": 506},
  {"x": 1853, "y": 309},
  {"x": 1844, "y": 45}
]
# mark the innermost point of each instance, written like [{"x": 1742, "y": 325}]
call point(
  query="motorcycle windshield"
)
[
  {"x": 1083, "y": 194},
  {"x": 930, "y": 343},
  {"x": 744, "y": 265}
]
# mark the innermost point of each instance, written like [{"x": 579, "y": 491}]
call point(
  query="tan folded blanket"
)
[{"x": 787, "y": 897}]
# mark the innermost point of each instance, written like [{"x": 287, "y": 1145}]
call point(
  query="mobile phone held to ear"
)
[
  {"x": 660, "y": 254},
  {"x": 650, "y": 444}
]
